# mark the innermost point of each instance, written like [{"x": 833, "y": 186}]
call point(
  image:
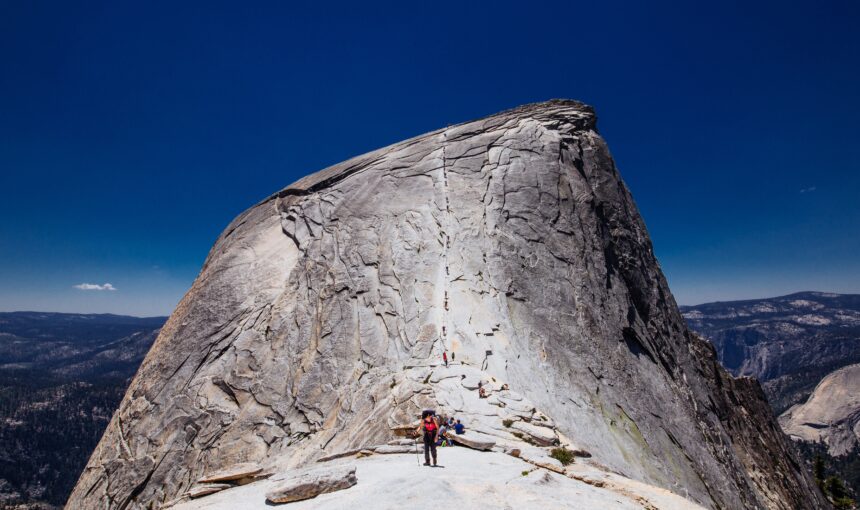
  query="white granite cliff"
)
[{"x": 318, "y": 321}]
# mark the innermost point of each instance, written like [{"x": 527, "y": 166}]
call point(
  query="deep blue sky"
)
[{"x": 131, "y": 133}]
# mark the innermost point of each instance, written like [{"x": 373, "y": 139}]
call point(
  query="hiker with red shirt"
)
[
  {"x": 445, "y": 357},
  {"x": 429, "y": 430}
]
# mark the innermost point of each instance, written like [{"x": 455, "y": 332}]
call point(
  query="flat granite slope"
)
[
  {"x": 468, "y": 479},
  {"x": 317, "y": 324}
]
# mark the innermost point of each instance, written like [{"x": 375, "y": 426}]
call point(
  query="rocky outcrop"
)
[
  {"x": 311, "y": 483},
  {"x": 390, "y": 448},
  {"x": 756, "y": 439},
  {"x": 318, "y": 321},
  {"x": 831, "y": 415},
  {"x": 232, "y": 473},
  {"x": 543, "y": 436},
  {"x": 474, "y": 440},
  {"x": 198, "y": 491},
  {"x": 538, "y": 457}
]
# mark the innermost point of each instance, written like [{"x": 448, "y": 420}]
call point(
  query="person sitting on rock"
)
[
  {"x": 441, "y": 439},
  {"x": 482, "y": 393},
  {"x": 459, "y": 428},
  {"x": 429, "y": 430}
]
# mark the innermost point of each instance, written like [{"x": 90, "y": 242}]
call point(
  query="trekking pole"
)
[{"x": 417, "y": 454}]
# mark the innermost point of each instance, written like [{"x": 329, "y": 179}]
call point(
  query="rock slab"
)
[
  {"x": 312, "y": 483},
  {"x": 205, "y": 489},
  {"x": 231, "y": 473},
  {"x": 474, "y": 440},
  {"x": 543, "y": 436},
  {"x": 389, "y": 448}
]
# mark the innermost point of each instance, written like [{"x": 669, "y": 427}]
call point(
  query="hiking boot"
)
[{"x": 426, "y": 463}]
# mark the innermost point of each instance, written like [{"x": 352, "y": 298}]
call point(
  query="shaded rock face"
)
[
  {"x": 831, "y": 415},
  {"x": 318, "y": 322}
]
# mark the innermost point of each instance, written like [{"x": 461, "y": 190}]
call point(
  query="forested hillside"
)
[{"x": 61, "y": 377}]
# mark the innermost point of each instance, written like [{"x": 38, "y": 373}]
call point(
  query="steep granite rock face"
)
[
  {"x": 318, "y": 321},
  {"x": 832, "y": 413}
]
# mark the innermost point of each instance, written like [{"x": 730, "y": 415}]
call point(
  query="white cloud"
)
[
  {"x": 93, "y": 286},
  {"x": 808, "y": 190}
]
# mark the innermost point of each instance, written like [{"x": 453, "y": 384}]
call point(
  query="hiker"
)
[
  {"x": 482, "y": 393},
  {"x": 442, "y": 438},
  {"x": 445, "y": 357},
  {"x": 429, "y": 430},
  {"x": 459, "y": 428}
]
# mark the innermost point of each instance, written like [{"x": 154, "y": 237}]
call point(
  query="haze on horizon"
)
[{"x": 132, "y": 135}]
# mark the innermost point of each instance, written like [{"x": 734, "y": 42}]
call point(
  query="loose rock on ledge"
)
[
  {"x": 474, "y": 440},
  {"x": 543, "y": 436},
  {"x": 205, "y": 489},
  {"x": 231, "y": 473},
  {"x": 388, "y": 448},
  {"x": 312, "y": 483}
]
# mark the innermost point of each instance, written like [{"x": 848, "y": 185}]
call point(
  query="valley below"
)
[
  {"x": 61, "y": 378},
  {"x": 804, "y": 349}
]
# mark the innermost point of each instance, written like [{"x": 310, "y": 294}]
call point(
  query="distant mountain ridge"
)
[
  {"x": 61, "y": 377},
  {"x": 787, "y": 342}
]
